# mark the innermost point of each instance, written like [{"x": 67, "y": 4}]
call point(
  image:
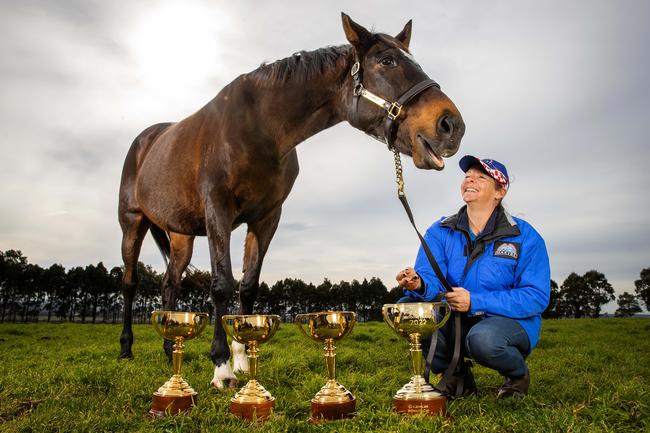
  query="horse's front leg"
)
[
  {"x": 180, "y": 254},
  {"x": 258, "y": 240},
  {"x": 218, "y": 226}
]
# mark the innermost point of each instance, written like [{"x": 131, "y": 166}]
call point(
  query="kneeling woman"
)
[{"x": 499, "y": 269}]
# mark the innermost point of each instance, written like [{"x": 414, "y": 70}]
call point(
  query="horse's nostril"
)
[{"x": 445, "y": 126}]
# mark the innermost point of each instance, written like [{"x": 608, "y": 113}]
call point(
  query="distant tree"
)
[
  {"x": 374, "y": 296},
  {"x": 113, "y": 300},
  {"x": 582, "y": 296},
  {"x": 354, "y": 298},
  {"x": 552, "y": 311},
  {"x": 97, "y": 282},
  {"x": 13, "y": 267},
  {"x": 71, "y": 297},
  {"x": 628, "y": 305},
  {"x": 32, "y": 295},
  {"x": 643, "y": 287},
  {"x": 148, "y": 292},
  {"x": 601, "y": 291},
  {"x": 298, "y": 296},
  {"x": 195, "y": 291},
  {"x": 53, "y": 283},
  {"x": 322, "y": 296},
  {"x": 575, "y": 296},
  {"x": 289, "y": 297},
  {"x": 264, "y": 301},
  {"x": 340, "y": 296},
  {"x": 394, "y": 294}
]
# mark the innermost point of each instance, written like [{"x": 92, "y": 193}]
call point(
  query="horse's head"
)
[{"x": 426, "y": 125}]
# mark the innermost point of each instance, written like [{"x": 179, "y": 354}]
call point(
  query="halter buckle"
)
[
  {"x": 355, "y": 69},
  {"x": 394, "y": 110}
]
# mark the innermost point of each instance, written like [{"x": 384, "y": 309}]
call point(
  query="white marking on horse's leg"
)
[
  {"x": 239, "y": 358},
  {"x": 223, "y": 373}
]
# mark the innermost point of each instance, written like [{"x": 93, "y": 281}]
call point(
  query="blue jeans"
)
[{"x": 496, "y": 342}]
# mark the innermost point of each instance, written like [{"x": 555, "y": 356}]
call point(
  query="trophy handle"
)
[
  {"x": 226, "y": 324},
  {"x": 301, "y": 319},
  {"x": 353, "y": 322},
  {"x": 201, "y": 320},
  {"x": 156, "y": 323},
  {"x": 276, "y": 325},
  {"x": 447, "y": 315},
  {"x": 387, "y": 319}
]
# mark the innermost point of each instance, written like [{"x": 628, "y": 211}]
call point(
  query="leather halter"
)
[{"x": 393, "y": 109}]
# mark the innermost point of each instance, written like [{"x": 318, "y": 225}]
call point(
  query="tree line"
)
[
  {"x": 584, "y": 295},
  {"x": 29, "y": 293}
]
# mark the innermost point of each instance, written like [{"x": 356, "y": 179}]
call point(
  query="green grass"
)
[{"x": 587, "y": 375}]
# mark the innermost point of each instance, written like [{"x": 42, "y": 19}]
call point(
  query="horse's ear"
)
[
  {"x": 405, "y": 35},
  {"x": 356, "y": 34}
]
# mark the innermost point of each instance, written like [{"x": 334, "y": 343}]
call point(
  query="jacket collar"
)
[{"x": 501, "y": 224}]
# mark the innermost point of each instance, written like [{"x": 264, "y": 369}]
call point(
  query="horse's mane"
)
[{"x": 301, "y": 66}]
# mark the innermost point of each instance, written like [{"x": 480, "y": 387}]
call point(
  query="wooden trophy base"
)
[
  {"x": 331, "y": 411},
  {"x": 163, "y": 406},
  {"x": 252, "y": 411},
  {"x": 431, "y": 407}
]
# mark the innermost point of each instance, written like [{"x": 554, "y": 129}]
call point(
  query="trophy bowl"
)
[
  {"x": 333, "y": 401},
  {"x": 176, "y": 395},
  {"x": 415, "y": 321},
  {"x": 252, "y": 402}
]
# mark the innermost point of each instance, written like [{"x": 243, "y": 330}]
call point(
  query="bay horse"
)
[{"x": 234, "y": 161}]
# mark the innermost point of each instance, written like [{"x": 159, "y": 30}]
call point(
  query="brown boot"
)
[
  {"x": 460, "y": 384},
  {"x": 514, "y": 387}
]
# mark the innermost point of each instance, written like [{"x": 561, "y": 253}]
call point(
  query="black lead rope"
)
[
  {"x": 451, "y": 370},
  {"x": 447, "y": 286},
  {"x": 394, "y": 110}
]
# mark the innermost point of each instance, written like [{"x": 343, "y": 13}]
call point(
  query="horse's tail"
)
[{"x": 162, "y": 242}]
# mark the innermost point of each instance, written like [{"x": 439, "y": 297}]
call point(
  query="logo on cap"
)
[{"x": 494, "y": 168}]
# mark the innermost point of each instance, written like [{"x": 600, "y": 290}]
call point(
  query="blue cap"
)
[{"x": 493, "y": 167}]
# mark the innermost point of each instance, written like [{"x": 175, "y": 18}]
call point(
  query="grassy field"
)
[{"x": 587, "y": 375}]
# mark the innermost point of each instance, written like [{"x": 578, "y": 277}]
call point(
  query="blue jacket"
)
[{"x": 505, "y": 269}]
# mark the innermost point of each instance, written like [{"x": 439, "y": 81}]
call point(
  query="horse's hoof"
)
[
  {"x": 125, "y": 355},
  {"x": 223, "y": 377},
  {"x": 225, "y": 384}
]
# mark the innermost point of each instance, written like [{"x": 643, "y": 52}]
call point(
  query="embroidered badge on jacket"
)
[{"x": 509, "y": 250}]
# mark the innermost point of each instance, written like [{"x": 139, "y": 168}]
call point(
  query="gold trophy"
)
[
  {"x": 176, "y": 396},
  {"x": 252, "y": 401},
  {"x": 333, "y": 401},
  {"x": 416, "y": 321}
]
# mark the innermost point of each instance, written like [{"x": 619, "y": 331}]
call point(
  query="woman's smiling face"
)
[{"x": 478, "y": 188}]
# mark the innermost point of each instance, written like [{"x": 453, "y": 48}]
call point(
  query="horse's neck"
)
[{"x": 305, "y": 109}]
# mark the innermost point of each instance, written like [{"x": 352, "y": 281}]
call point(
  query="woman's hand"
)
[
  {"x": 408, "y": 279},
  {"x": 458, "y": 300}
]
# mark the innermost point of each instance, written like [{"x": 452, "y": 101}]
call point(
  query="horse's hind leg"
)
[
  {"x": 181, "y": 247},
  {"x": 258, "y": 240},
  {"x": 134, "y": 228}
]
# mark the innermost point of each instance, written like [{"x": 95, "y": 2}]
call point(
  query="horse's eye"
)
[{"x": 388, "y": 61}]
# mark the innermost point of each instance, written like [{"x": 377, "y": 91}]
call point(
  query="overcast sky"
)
[{"x": 556, "y": 90}]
